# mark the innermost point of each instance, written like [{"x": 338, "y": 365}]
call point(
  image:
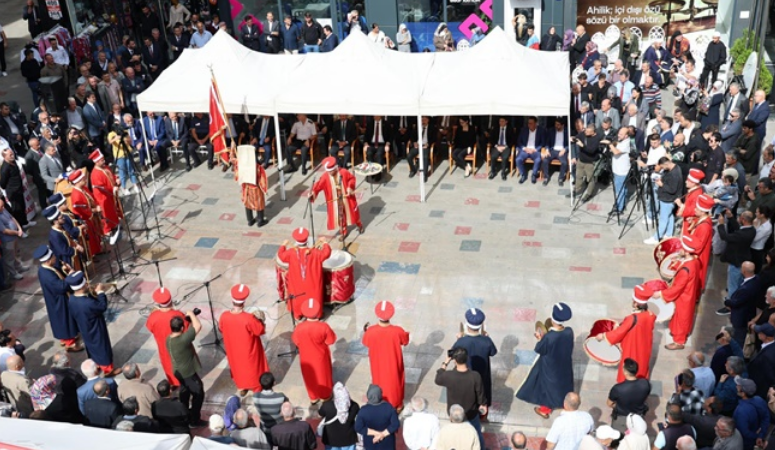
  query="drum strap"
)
[{"x": 634, "y": 322}]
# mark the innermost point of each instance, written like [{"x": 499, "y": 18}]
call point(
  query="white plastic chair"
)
[
  {"x": 599, "y": 39},
  {"x": 576, "y": 72},
  {"x": 612, "y": 33},
  {"x": 636, "y": 31}
]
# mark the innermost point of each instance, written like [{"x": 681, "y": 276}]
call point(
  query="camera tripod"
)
[{"x": 644, "y": 198}]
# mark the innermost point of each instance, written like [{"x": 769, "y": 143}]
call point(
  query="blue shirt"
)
[
  {"x": 7, "y": 223},
  {"x": 291, "y": 37},
  {"x": 199, "y": 40},
  {"x": 752, "y": 419}
]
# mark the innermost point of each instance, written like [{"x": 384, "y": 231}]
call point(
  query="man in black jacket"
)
[
  {"x": 670, "y": 186},
  {"x": 171, "y": 414},
  {"x": 715, "y": 57},
  {"x": 738, "y": 235},
  {"x": 588, "y": 145},
  {"x": 343, "y": 133},
  {"x": 142, "y": 424},
  {"x": 578, "y": 46},
  {"x": 250, "y": 34},
  {"x": 102, "y": 411},
  {"x": 742, "y": 304}
]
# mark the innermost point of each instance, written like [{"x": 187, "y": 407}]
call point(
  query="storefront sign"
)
[
  {"x": 670, "y": 15},
  {"x": 54, "y": 9},
  {"x": 474, "y": 20}
]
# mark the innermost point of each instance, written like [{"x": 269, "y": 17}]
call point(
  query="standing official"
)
[
  {"x": 338, "y": 185},
  {"x": 635, "y": 333},
  {"x": 253, "y": 195},
  {"x": 158, "y": 324},
  {"x": 551, "y": 377},
  {"x": 305, "y": 272},
  {"x": 55, "y": 294},
  {"x": 386, "y": 357},
  {"x": 313, "y": 338},
  {"x": 104, "y": 187},
  {"x": 185, "y": 364},
  {"x": 82, "y": 204},
  {"x": 242, "y": 333},
  {"x": 480, "y": 349},
  {"x": 88, "y": 314},
  {"x": 683, "y": 290}
]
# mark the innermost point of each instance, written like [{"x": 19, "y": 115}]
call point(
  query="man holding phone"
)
[{"x": 464, "y": 388}]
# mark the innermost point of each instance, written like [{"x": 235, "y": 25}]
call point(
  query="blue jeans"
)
[
  {"x": 522, "y": 156},
  {"x": 478, "y": 427},
  {"x": 125, "y": 170},
  {"x": 620, "y": 188},
  {"x": 734, "y": 279},
  {"x": 311, "y": 48},
  {"x": 34, "y": 85},
  {"x": 666, "y": 220},
  {"x": 349, "y": 447}
]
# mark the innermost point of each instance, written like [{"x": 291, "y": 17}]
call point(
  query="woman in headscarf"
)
[
  {"x": 550, "y": 41},
  {"x": 713, "y": 113},
  {"x": 567, "y": 40},
  {"x": 404, "y": 39},
  {"x": 442, "y": 38},
  {"x": 339, "y": 413},
  {"x": 635, "y": 438},
  {"x": 590, "y": 56},
  {"x": 377, "y": 422},
  {"x": 677, "y": 45}
]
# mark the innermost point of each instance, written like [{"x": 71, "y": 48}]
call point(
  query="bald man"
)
[
  {"x": 17, "y": 385},
  {"x": 741, "y": 305}
]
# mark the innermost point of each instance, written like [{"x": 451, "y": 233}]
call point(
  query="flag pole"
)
[{"x": 223, "y": 113}]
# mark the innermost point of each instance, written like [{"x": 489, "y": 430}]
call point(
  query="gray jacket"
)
[{"x": 50, "y": 169}]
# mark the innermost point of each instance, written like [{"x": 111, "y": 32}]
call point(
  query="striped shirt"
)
[
  {"x": 653, "y": 95},
  {"x": 268, "y": 404}
]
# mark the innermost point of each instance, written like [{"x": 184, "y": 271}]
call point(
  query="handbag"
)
[
  {"x": 705, "y": 104},
  {"x": 749, "y": 345},
  {"x": 322, "y": 425}
]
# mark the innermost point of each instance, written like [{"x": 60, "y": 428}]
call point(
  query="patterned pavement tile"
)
[
  {"x": 497, "y": 216},
  {"x": 225, "y": 254},
  {"x": 285, "y": 220},
  {"x": 227, "y": 217},
  {"x": 631, "y": 282},
  {"x": 401, "y": 226},
  {"x": 464, "y": 231},
  {"x": 395, "y": 267},
  {"x": 193, "y": 187},
  {"x": 524, "y": 315},
  {"x": 170, "y": 213},
  {"x": 525, "y": 357},
  {"x": 447, "y": 187},
  {"x": 536, "y": 244},
  {"x": 620, "y": 251},
  {"x": 532, "y": 204},
  {"x": 471, "y": 201},
  {"x": 143, "y": 356},
  {"x": 267, "y": 251},
  {"x": 559, "y": 220},
  {"x": 391, "y": 184},
  {"x": 413, "y": 198},
  {"x": 436, "y": 214},
  {"x": 206, "y": 242},
  {"x": 408, "y": 247},
  {"x": 505, "y": 189},
  {"x": 210, "y": 201},
  {"x": 470, "y": 246},
  {"x": 526, "y": 233},
  {"x": 591, "y": 235},
  {"x": 580, "y": 269}
]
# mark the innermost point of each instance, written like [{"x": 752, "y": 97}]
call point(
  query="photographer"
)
[
  {"x": 669, "y": 187},
  {"x": 464, "y": 388},
  {"x": 119, "y": 140},
  {"x": 588, "y": 153},
  {"x": 620, "y": 166},
  {"x": 185, "y": 364},
  {"x": 79, "y": 147}
]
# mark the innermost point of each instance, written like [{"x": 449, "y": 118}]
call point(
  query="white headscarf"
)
[
  {"x": 341, "y": 401},
  {"x": 636, "y": 438}
]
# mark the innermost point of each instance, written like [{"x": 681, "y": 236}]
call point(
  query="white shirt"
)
[
  {"x": 633, "y": 121},
  {"x": 378, "y": 38},
  {"x": 620, "y": 164},
  {"x": 5, "y": 353},
  {"x": 559, "y": 137},
  {"x": 763, "y": 233},
  {"x": 655, "y": 154},
  {"x": 688, "y": 133},
  {"x": 419, "y": 430},
  {"x": 569, "y": 428},
  {"x": 704, "y": 380},
  {"x": 303, "y": 131},
  {"x": 60, "y": 56},
  {"x": 531, "y": 139},
  {"x": 765, "y": 172}
]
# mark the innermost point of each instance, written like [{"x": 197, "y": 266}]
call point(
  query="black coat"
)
[
  {"x": 385, "y": 129},
  {"x": 171, "y": 414},
  {"x": 350, "y": 133},
  {"x": 761, "y": 370},
  {"x": 101, "y": 412},
  {"x": 738, "y": 242},
  {"x": 743, "y": 303}
]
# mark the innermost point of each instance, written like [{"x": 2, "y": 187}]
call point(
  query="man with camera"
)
[
  {"x": 185, "y": 364},
  {"x": 669, "y": 187},
  {"x": 464, "y": 388},
  {"x": 158, "y": 323},
  {"x": 589, "y": 152},
  {"x": 620, "y": 166}
]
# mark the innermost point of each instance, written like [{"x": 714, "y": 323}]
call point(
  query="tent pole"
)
[
  {"x": 147, "y": 155},
  {"x": 278, "y": 146},
  {"x": 570, "y": 165},
  {"x": 421, "y": 158}
]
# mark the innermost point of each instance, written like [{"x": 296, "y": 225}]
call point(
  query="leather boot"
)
[{"x": 249, "y": 215}]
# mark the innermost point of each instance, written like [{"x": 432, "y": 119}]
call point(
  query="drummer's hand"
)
[
  {"x": 285, "y": 243},
  {"x": 100, "y": 288},
  {"x": 79, "y": 249},
  {"x": 657, "y": 294},
  {"x": 349, "y": 192},
  {"x": 537, "y": 335},
  {"x": 459, "y": 335},
  {"x": 600, "y": 337}
]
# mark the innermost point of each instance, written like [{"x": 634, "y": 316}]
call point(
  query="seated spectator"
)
[
  {"x": 458, "y": 434},
  {"x": 17, "y": 385},
  {"x": 338, "y": 413},
  {"x": 130, "y": 408},
  {"x": 704, "y": 380},
  {"x": 674, "y": 428},
  {"x": 629, "y": 396},
  {"x": 294, "y": 434},
  {"x": 248, "y": 434},
  {"x": 269, "y": 403},
  {"x": 421, "y": 427},
  {"x": 751, "y": 415},
  {"x": 101, "y": 411},
  {"x": 218, "y": 429},
  {"x": 135, "y": 386},
  {"x": 686, "y": 395},
  {"x": 529, "y": 145},
  {"x": 169, "y": 411},
  {"x": 705, "y": 425},
  {"x": 93, "y": 373},
  {"x": 635, "y": 438}
]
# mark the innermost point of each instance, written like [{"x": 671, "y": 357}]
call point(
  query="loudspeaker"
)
[{"x": 54, "y": 92}]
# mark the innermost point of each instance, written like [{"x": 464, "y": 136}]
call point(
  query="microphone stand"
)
[
  {"x": 217, "y": 341},
  {"x": 147, "y": 309},
  {"x": 294, "y": 350}
]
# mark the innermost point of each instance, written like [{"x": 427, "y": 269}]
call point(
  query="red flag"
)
[{"x": 217, "y": 125}]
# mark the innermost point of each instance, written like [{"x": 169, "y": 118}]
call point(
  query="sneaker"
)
[
  {"x": 5, "y": 74},
  {"x": 24, "y": 268},
  {"x": 25, "y": 235},
  {"x": 724, "y": 311},
  {"x": 651, "y": 241},
  {"x": 17, "y": 276},
  {"x": 135, "y": 189},
  {"x": 31, "y": 223}
]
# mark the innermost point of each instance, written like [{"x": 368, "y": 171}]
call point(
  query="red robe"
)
[
  {"x": 683, "y": 291},
  {"x": 158, "y": 324},
  {"x": 103, "y": 183},
  {"x": 387, "y": 360},
  {"x": 690, "y": 205},
  {"x": 326, "y": 184},
  {"x": 305, "y": 275},
  {"x": 313, "y": 337},
  {"x": 244, "y": 350},
  {"x": 635, "y": 334},
  {"x": 82, "y": 204},
  {"x": 702, "y": 235},
  {"x": 253, "y": 195}
]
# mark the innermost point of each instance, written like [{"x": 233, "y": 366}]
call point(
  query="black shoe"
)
[
  {"x": 291, "y": 168},
  {"x": 198, "y": 424},
  {"x": 188, "y": 168},
  {"x": 504, "y": 176},
  {"x": 491, "y": 176},
  {"x": 561, "y": 182},
  {"x": 724, "y": 311},
  {"x": 425, "y": 176},
  {"x": 412, "y": 173},
  {"x": 251, "y": 222},
  {"x": 210, "y": 167},
  {"x": 585, "y": 199},
  {"x": 533, "y": 179},
  {"x": 522, "y": 179},
  {"x": 546, "y": 181},
  {"x": 262, "y": 222},
  {"x": 304, "y": 170}
]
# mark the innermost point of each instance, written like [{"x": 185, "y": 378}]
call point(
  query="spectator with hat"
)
[
  {"x": 185, "y": 364},
  {"x": 752, "y": 417},
  {"x": 158, "y": 323},
  {"x": 686, "y": 208},
  {"x": 88, "y": 310},
  {"x": 55, "y": 295},
  {"x": 386, "y": 360},
  {"x": 480, "y": 348},
  {"x": 305, "y": 271},
  {"x": 242, "y": 333},
  {"x": 603, "y": 437},
  {"x": 313, "y": 338},
  {"x": 761, "y": 368},
  {"x": 551, "y": 377}
]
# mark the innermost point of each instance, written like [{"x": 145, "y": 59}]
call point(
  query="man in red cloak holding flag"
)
[
  {"x": 338, "y": 185},
  {"x": 158, "y": 324},
  {"x": 313, "y": 338},
  {"x": 305, "y": 271},
  {"x": 385, "y": 342},
  {"x": 104, "y": 187},
  {"x": 253, "y": 195}
]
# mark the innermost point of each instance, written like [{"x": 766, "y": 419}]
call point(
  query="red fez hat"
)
[
  {"x": 656, "y": 285},
  {"x": 76, "y": 176},
  {"x": 329, "y": 163},
  {"x": 384, "y": 310},
  {"x": 96, "y": 155},
  {"x": 300, "y": 235},
  {"x": 310, "y": 309},
  {"x": 162, "y": 296},
  {"x": 705, "y": 202},
  {"x": 239, "y": 293},
  {"x": 696, "y": 175},
  {"x": 642, "y": 293},
  {"x": 688, "y": 244}
]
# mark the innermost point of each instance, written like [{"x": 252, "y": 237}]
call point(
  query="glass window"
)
[
  {"x": 258, "y": 8},
  {"x": 320, "y": 9},
  {"x": 421, "y": 18}
]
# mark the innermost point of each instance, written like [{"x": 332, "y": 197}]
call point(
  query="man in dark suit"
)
[
  {"x": 271, "y": 34},
  {"x": 12, "y": 129},
  {"x": 143, "y": 424},
  {"x": 343, "y": 133},
  {"x": 576, "y": 98},
  {"x": 761, "y": 369},
  {"x": 735, "y": 100},
  {"x": 404, "y": 127},
  {"x": 578, "y": 46},
  {"x": 262, "y": 135},
  {"x": 157, "y": 138},
  {"x": 529, "y": 145},
  {"x": 742, "y": 304},
  {"x": 152, "y": 57},
  {"x": 101, "y": 411},
  {"x": 731, "y": 130},
  {"x": 502, "y": 139},
  {"x": 132, "y": 85},
  {"x": 170, "y": 412},
  {"x": 484, "y": 129},
  {"x": 377, "y": 139},
  {"x": 177, "y": 131},
  {"x": 428, "y": 135},
  {"x": 31, "y": 13},
  {"x": 759, "y": 114},
  {"x": 178, "y": 42},
  {"x": 738, "y": 234},
  {"x": 557, "y": 146},
  {"x": 250, "y": 34}
]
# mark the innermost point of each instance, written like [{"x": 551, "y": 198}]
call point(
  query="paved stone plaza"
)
[{"x": 512, "y": 250}]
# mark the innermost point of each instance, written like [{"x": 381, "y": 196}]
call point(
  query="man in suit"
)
[
  {"x": 735, "y": 100},
  {"x": 132, "y": 86},
  {"x": 575, "y": 102},
  {"x": 578, "y": 46},
  {"x": 761, "y": 369},
  {"x": 93, "y": 373},
  {"x": 31, "y": 13},
  {"x": 485, "y": 126},
  {"x": 502, "y": 139},
  {"x": 95, "y": 119},
  {"x": 153, "y": 57},
  {"x": 177, "y": 130},
  {"x": 12, "y": 128},
  {"x": 178, "y": 42},
  {"x": 666, "y": 136},
  {"x": 557, "y": 145},
  {"x": 271, "y": 34},
  {"x": 135, "y": 387},
  {"x": 343, "y": 133},
  {"x": 157, "y": 138},
  {"x": 17, "y": 385},
  {"x": 633, "y": 117},
  {"x": 50, "y": 166},
  {"x": 377, "y": 139},
  {"x": 731, "y": 130},
  {"x": 759, "y": 114},
  {"x": 169, "y": 411},
  {"x": 742, "y": 304},
  {"x": 428, "y": 134},
  {"x": 738, "y": 234},
  {"x": 404, "y": 127},
  {"x": 142, "y": 423},
  {"x": 250, "y": 34},
  {"x": 529, "y": 145},
  {"x": 199, "y": 128},
  {"x": 607, "y": 111},
  {"x": 101, "y": 411},
  {"x": 262, "y": 135}
]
